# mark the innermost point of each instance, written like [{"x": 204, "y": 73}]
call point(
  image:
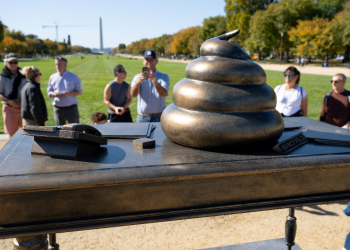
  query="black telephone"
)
[{"x": 83, "y": 128}]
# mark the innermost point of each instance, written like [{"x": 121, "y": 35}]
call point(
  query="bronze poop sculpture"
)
[{"x": 224, "y": 101}]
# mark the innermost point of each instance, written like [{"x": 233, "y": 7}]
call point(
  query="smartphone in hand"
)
[{"x": 145, "y": 71}]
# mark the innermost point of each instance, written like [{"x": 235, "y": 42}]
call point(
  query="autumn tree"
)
[
  {"x": 2, "y": 29},
  {"x": 80, "y": 49},
  {"x": 181, "y": 43},
  {"x": 120, "y": 49},
  {"x": 261, "y": 34},
  {"x": 33, "y": 45},
  {"x": 283, "y": 16},
  {"x": 149, "y": 43},
  {"x": 162, "y": 44},
  {"x": 314, "y": 37},
  {"x": 63, "y": 48},
  {"x": 32, "y": 36},
  {"x": 328, "y": 8},
  {"x": 18, "y": 35},
  {"x": 138, "y": 47},
  {"x": 341, "y": 28},
  {"x": 121, "y": 46},
  {"x": 239, "y": 12},
  {"x": 195, "y": 41},
  {"x": 52, "y": 46},
  {"x": 212, "y": 27},
  {"x": 11, "y": 45}
]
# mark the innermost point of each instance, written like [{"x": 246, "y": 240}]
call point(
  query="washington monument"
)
[{"x": 101, "y": 39}]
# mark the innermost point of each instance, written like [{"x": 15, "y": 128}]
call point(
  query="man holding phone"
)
[{"x": 150, "y": 89}]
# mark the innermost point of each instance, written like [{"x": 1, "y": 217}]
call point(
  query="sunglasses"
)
[
  {"x": 13, "y": 62},
  {"x": 39, "y": 74},
  {"x": 290, "y": 75},
  {"x": 123, "y": 72},
  {"x": 335, "y": 81}
]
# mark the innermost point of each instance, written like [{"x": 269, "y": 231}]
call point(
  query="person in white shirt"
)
[{"x": 291, "y": 98}]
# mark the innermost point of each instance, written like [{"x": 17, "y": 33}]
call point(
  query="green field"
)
[{"x": 95, "y": 73}]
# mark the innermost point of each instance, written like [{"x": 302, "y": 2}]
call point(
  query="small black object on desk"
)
[
  {"x": 71, "y": 141},
  {"x": 144, "y": 143}
]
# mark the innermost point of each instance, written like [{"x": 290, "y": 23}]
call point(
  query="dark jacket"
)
[{"x": 32, "y": 103}]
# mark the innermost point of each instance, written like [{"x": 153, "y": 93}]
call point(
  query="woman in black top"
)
[{"x": 33, "y": 107}]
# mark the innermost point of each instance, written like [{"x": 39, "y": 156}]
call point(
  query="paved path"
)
[
  {"x": 4, "y": 137},
  {"x": 3, "y": 140},
  {"x": 329, "y": 71}
]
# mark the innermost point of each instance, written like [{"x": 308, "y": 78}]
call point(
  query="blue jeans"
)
[
  {"x": 70, "y": 114},
  {"x": 147, "y": 119},
  {"x": 347, "y": 242}
]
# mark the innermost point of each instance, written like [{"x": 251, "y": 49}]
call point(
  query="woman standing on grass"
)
[
  {"x": 33, "y": 107},
  {"x": 291, "y": 98}
]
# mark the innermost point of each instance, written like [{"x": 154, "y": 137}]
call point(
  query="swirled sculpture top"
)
[{"x": 224, "y": 101}]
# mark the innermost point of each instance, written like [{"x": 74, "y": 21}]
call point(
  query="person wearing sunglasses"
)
[
  {"x": 291, "y": 98},
  {"x": 117, "y": 97},
  {"x": 336, "y": 104},
  {"x": 33, "y": 106},
  {"x": 11, "y": 83}
]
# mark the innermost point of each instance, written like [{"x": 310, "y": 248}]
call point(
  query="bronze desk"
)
[{"x": 120, "y": 185}]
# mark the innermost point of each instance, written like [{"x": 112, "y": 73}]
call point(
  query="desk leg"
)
[
  {"x": 291, "y": 228},
  {"x": 52, "y": 242},
  {"x": 37, "y": 242}
]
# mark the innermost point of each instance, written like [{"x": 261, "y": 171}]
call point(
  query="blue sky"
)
[{"x": 123, "y": 21}]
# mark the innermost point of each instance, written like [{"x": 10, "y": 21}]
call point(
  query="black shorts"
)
[{"x": 126, "y": 117}]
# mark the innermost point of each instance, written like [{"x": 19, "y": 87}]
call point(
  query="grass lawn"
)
[{"x": 95, "y": 73}]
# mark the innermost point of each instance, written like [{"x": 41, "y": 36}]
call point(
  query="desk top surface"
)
[
  {"x": 122, "y": 185},
  {"x": 19, "y": 169}
]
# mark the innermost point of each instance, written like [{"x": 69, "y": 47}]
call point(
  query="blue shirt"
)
[
  {"x": 65, "y": 82},
  {"x": 148, "y": 100}
]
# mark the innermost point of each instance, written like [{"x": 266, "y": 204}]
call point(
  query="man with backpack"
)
[{"x": 336, "y": 104}]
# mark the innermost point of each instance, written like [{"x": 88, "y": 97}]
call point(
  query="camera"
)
[{"x": 145, "y": 71}]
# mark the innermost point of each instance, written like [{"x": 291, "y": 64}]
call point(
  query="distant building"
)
[{"x": 68, "y": 41}]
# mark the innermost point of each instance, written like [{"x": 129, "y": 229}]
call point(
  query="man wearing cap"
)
[
  {"x": 150, "y": 90},
  {"x": 11, "y": 83},
  {"x": 64, "y": 87}
]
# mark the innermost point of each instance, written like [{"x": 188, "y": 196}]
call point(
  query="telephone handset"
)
[{"x": 83, "y": 128}]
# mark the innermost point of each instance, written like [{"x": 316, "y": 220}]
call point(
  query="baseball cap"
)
[
  {"x": 150, "y": 54},
  {"x": 10, "y": 56}
]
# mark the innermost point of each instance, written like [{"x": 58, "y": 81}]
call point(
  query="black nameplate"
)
[{"x": 289, "y": 141}]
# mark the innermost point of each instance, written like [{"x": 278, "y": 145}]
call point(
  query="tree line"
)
[
  {"x": 185, "y": 42},
  {"x": 296, "y": 27},
  {"x": 31, "y": 45}
]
